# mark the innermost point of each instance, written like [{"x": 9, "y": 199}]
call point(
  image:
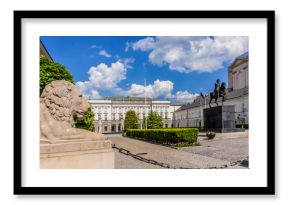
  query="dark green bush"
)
[
  {"x": 167, "y": 136},
  {"x": 210, "y": 135},
  {"x": 87, "y": 122},
  {"x": 246, "y": 126}
]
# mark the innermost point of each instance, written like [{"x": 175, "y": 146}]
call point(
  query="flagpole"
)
[
  {"x": 201, "y": 114},
  {"x": 145, "y": 104}
]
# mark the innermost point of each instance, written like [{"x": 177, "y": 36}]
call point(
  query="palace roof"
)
[{"x": 128, "y": 98}]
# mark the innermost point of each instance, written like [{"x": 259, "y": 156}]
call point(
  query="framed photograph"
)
[{"x": 144, "y": 102}]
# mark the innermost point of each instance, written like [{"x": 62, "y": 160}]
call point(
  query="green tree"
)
[
  {"x": 154, "y": 121},
  {"x": 131, "y": 120},
  {"x": 87, "y": 122},
  {"x": 51, "y": 71}
]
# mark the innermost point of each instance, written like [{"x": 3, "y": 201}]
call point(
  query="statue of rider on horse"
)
[{"x": 219, "y": 91}]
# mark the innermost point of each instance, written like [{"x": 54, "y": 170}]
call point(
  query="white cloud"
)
[
  {"x": 127, "y": 62},
  {"x": 107, "y": 77},
  {"x": 145, "y": 44},
  {"x": 103, "y": 77},
  {"x": 105, "y": 54},
  {"x": 157, "y": 89},
  {"x": 127, "y": 46},
  {"x": 186, "y": 54},
  {"x": 95, "y": 46},
  {"x": 160, "y": 89},
  {"x": 185, "y": 96},
  {"x": 95, "y": 95}
]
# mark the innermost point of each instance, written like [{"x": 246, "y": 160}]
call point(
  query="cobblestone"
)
[
  {"x": 229, "y": 149},
  {"x": 219, "y": 152}
]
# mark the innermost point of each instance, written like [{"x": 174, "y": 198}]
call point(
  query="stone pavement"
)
[
  {"x": 225, "y": 146},
  {"x": 219, "y": 152}
]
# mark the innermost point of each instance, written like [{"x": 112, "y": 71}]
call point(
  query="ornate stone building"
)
[
  {"x": 238, "y": 75},
  {"x": 110, "y": 112},
  {"x": 191, "y": 115}
]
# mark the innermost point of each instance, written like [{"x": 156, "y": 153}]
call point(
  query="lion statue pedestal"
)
[
  {"x": 62, "y": 146},
  {"x": 77, "y": 155}
]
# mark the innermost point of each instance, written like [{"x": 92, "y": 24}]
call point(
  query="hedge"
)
[
  {"x": 167, "y": 136},
  {"x": 246, "y": 126}
]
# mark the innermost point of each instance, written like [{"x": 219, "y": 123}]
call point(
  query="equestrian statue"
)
[{"x": 219, "y": 91}]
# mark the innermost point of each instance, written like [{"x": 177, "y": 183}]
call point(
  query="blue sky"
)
[{"x": 175, "y": 68}]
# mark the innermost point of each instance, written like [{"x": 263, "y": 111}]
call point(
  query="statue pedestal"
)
[
  {"x": 77, "y": 155},
  {"x": 220, "y": 119}
]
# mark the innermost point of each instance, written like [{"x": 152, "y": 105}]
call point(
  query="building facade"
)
[
  {"x": 43, "y": 51},
  {"x": 110, "y": 112},
  {"x": 191, "y": 115}
]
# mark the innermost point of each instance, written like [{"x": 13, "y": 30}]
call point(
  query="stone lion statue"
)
[{"x": 60, "y": 104}]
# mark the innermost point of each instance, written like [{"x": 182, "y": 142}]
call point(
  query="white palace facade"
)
[
  {"x": 110, "y": 112},
  {"x": 190, "y": 115}
]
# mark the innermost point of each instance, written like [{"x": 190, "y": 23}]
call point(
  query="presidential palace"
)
[{"x": 110, "y": 112}]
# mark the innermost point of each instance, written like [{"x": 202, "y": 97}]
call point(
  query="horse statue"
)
[{"x": 221, "y": 92}]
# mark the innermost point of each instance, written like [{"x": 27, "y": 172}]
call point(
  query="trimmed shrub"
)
[
  {"x": 246, "y": 126},
  {"x": 167, "y": 136},
  {"x": 210, "y": 135}
]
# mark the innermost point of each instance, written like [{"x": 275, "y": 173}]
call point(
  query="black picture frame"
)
[{"x": 268, "y": 190}]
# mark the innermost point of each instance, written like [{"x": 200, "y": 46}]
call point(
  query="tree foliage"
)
[
  {"x": 154, "y": 121},
  {"x": 131, "y": 120},
  {"x": 50, "y": 71},
  {"x": 87, "y": 122}
]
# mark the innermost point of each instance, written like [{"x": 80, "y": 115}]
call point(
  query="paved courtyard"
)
[{"x": 227, "y": 150}]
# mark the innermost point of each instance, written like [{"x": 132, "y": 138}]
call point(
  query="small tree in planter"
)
[{"x": 210, "y": 135}]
